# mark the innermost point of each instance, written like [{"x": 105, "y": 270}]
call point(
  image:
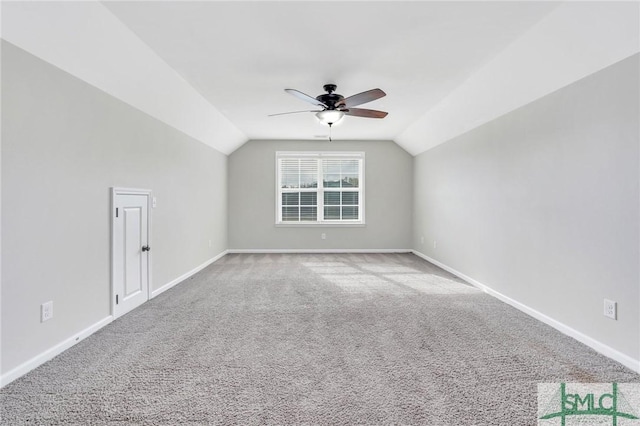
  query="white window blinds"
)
[{"x": 320, "y": 188}]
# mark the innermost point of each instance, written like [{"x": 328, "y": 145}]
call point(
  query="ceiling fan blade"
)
[
  {"x": 368, "y": 113},
  {"x": 294, "y": 112},
  {"x": 298, "y": 94},
  {"x": 362, "y": 98}
]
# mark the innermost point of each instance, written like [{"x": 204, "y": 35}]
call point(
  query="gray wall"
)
[
  {"x": 64, "y": 144},
  {"x": 388, "y": 192},
  {"x": 542, "y": 205}
]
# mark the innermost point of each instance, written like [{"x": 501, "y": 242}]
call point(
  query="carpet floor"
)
[{"x": 309, "y": 339}]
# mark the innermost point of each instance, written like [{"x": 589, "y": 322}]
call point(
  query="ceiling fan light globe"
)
[{"x": 329, "y": 116}]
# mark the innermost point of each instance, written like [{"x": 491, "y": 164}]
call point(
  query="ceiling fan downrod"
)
[{"x": 329, "y": 88}]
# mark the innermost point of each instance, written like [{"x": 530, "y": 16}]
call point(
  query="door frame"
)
[{"x": 115, "y": 191}]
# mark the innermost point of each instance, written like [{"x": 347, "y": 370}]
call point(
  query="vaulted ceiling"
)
[{"x": 216, "y": 70}]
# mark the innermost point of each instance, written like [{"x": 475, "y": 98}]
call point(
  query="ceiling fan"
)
[{"x": 335, "y": 106}]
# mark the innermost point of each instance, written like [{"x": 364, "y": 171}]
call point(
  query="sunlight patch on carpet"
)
[
  {"x": 432, "y": 284},
  {"x": 363, "y": 283}
]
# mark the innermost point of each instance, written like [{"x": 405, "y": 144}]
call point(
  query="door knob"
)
[{"x": 146, "y": 248}]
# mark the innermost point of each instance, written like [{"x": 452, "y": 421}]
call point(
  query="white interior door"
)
[{"x": 130, "y": 269}]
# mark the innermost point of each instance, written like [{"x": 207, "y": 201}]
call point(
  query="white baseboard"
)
[
  {"x": 184, "y": 276},
  {"x": 259, "y": 251},
  {"x": 50, "y": 353},
  {"x": 598, "y": 346}
]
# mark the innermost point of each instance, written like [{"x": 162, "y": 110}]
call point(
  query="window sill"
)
[{"x": 321, "y": 225}]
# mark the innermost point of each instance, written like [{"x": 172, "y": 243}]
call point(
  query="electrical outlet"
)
[
  {"x": 422, "y": 240},
  {"x": 435, "y": 244},
  {"x": 209, "y": 243},
  {"x": 323, "y": 236},
  {"x": 46, "y": 311},
  {"x": 154, "y": 202},
  {"x": 610, "y": 309}
]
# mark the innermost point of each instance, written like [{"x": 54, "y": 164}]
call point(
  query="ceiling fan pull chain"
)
[{"x": 330, "y": 127}]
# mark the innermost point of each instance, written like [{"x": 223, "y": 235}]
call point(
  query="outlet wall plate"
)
[
  {"x": 610, "y": 309},
  {"x": 46, "y": 311}
]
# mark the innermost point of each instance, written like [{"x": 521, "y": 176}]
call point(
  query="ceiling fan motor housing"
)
[{"x": 330, "y": 99}]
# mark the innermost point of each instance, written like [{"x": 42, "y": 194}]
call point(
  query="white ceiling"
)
[
  {"x": 241, "y": 55},
  {"x": 215, "y": 70}
]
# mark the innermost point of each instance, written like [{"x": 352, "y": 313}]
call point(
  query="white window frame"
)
[{"x": 321, "y": 155}]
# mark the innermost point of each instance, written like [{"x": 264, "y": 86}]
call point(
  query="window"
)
[{"x": 320, "y": 188}]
